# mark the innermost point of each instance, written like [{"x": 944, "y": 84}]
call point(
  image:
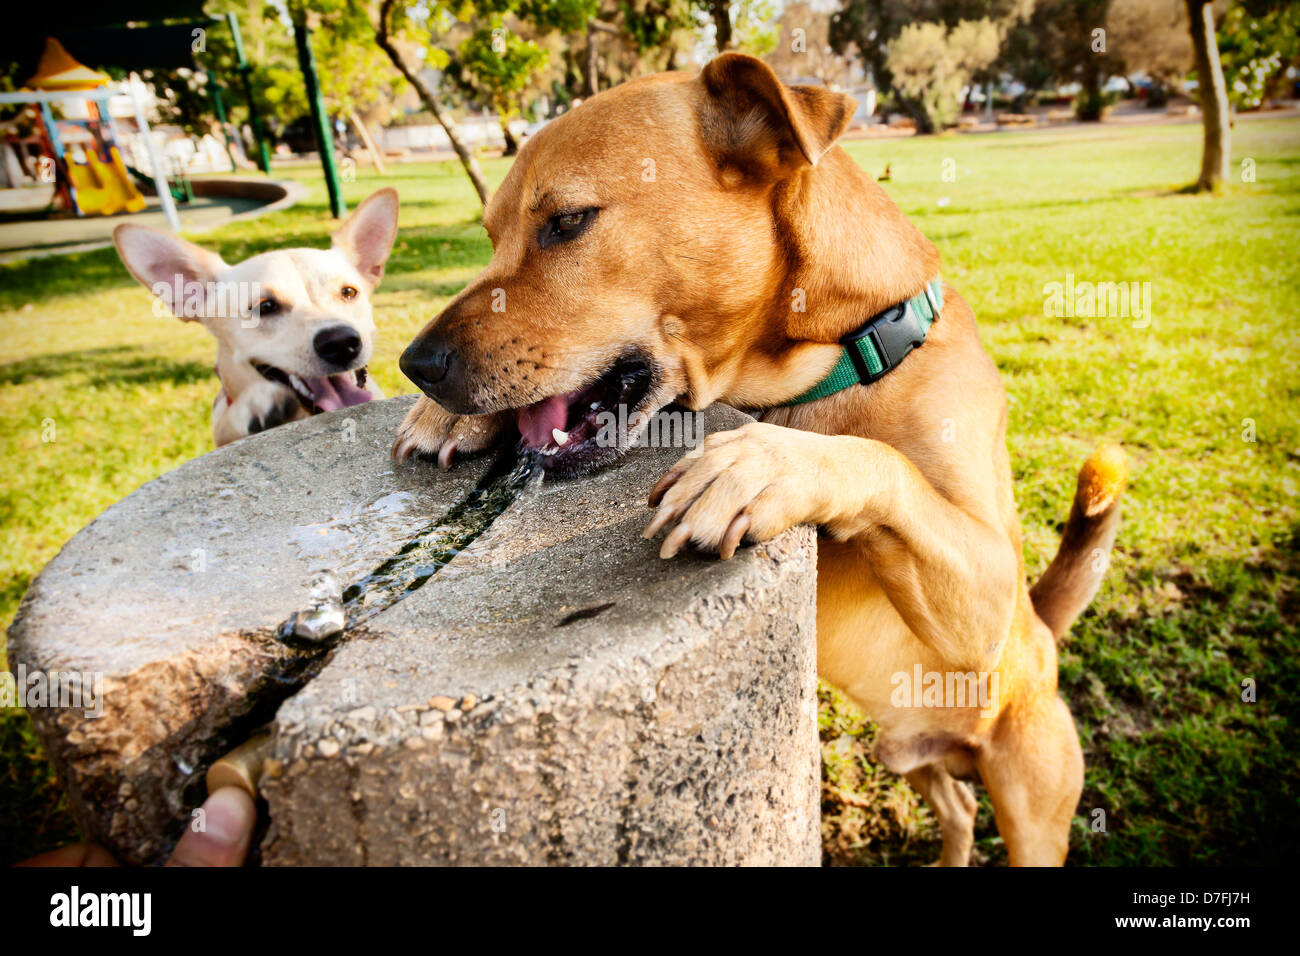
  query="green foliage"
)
[
  {"x": 931, "y": 65},
  {"x": 756, "y": 28},
  {"x": 269, "y": 48},
  {"x": 564, "y": 16},
  {"x": 499, "y": 64},
  {"x": 1093, "y": 104},
  {"x": 355, "y": 74},
  {"x": 651, "y": 26},
  {"x": 1257, "y": 43},
  {"x": 1063, "y": 41}
]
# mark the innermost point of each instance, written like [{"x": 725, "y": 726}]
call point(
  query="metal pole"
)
[
  {"x": 155, "y": 164},
  {"x": 320, "y": 121},
  {"x": 220, "y": 107},
  {"x": 246, "y": 76}
]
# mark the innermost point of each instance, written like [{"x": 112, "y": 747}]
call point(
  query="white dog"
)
[{"x": 294, "y": 328}]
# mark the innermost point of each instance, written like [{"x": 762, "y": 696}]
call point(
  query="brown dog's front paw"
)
[
  {"x": 430, "y": 431},
  {"x": 750, "y": 482}
]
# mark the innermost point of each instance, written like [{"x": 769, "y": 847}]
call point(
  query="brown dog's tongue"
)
[
  {"x": 337, "y": 391},
  {"x": 537, "y": 421}
]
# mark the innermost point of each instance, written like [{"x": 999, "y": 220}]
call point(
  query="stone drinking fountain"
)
[{"x": 426, "y": 667}]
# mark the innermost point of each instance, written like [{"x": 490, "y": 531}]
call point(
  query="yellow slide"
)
[{"x": 104, "y": 189}]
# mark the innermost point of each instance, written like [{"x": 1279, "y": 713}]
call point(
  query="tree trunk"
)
[
  {"x": 721, "y": 10},
  {"x": 1213, "y": 94},
  {"x": 593, "y": 58},
  {"x": 512, "y": 144},
  {"x": 1090, "y": 105},
  {"x": 364, "y": 133},
  {"x": 592, "y": 79},
  {"x": 917, "y": 108},
  {"x": 431, "y": 103}
]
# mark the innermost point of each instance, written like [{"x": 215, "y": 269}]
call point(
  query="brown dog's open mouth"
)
[
  {"x": 586, "y": 429},
  {"x": 324, "y": 394}
]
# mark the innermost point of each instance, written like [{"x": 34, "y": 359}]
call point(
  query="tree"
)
[
  {"x": 755, "y": 29},
  {"x": 652, "y": 33},
  {"x": 356, "y": 84},
  {"x": 185, "y": 96},
  {"x": 804, "y": 49},
  {"x": 1151, "y": 37},
  {"x": 872, "y": 26},
  {"x": 393, "y": 18},
  {"x": 1259, "y": 41},
  {"x": 610, "y": 41},
  {"x": 495, "y": 64},
  {"x": 719, "y": 11},
  {"x": 277, "y": 82},
  {"x": 1065, "y": 41},
  {"x": 1213, "y": 94},
  {"x": 931, "y": 65}
]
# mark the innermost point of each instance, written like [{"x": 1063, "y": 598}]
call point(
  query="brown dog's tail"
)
[{"x": 1074, "y": 575}]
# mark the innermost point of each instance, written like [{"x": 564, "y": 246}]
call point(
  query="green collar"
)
[{"x": 880, "y": 344}]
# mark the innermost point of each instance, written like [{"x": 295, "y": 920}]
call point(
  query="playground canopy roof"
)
[{"x": 97, "y": 34}]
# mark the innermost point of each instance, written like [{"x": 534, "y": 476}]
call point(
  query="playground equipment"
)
[
  {"x": 98, "y": 183},
  {"x": 139, "y": 35}
]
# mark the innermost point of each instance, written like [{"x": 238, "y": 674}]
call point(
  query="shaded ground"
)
[{"x": 27, "y": 232}]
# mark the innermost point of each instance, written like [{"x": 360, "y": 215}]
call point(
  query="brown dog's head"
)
[{"x": 676, "y": 237}]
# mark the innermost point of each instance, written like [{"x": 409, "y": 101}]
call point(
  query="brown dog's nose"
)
[
  {"x": 426, "y": 364},
  {"x": 338, "y": 345}
]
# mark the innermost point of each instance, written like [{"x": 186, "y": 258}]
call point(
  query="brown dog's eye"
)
[
  {"x": 564, "y": 226},
  {"x": 348, "y": 292}
]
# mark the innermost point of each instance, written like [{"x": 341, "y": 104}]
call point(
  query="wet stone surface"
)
[{"x": 554, "y": 693}]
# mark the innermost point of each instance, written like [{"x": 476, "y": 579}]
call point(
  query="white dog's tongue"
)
[{"x": 337, "y": 391}]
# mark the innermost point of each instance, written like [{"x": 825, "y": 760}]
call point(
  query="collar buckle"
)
[{"x": 891, "y": 334}]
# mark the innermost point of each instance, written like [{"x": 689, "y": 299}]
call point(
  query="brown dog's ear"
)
[
  {"x": 166, "y": 264},
  {"x": 366, "y": 238},
  {"x": 751, "y": 116}
]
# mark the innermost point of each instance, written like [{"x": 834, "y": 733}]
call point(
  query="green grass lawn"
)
[{"x": 1202, "y": 591}]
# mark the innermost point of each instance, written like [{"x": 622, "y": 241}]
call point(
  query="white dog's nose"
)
[{"x": 338, "y": 345}]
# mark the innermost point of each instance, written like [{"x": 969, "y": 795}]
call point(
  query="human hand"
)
[{"x": 229, "y": 816}]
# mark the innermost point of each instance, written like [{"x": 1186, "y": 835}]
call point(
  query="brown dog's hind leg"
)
[
  {"x": 431, "y": 431},
  {"x": 953, "y": 802},
  {"x": 1033, "y": 771}
]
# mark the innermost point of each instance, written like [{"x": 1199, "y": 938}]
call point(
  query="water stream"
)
[{"x": 424, "y": 555}]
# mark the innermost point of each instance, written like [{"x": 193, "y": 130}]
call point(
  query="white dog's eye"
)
[
  {"x": 348, "y": 292},
  {"x": 268, "y": 307}
]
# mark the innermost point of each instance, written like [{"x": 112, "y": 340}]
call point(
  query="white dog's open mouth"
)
[{"x": 323, "y": 394}]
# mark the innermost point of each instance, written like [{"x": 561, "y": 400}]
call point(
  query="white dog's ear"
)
[
  {"x": 165, "y": 264},
  {"x": 367, "y": 236}
]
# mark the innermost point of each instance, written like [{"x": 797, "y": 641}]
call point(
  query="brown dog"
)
[{"x": 701, "y": 239}]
